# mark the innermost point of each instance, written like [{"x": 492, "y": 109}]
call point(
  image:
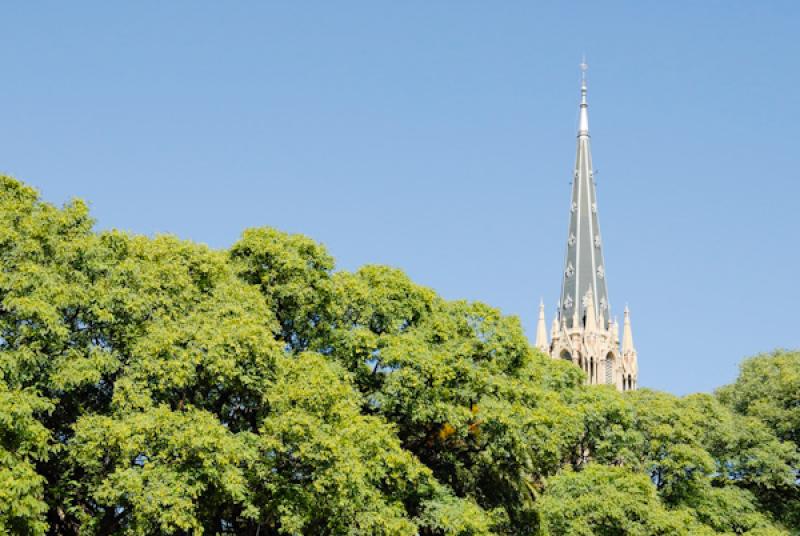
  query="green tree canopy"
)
[
  {"x": 157, "y": 386},
  {"x": 768, "y": 390}
]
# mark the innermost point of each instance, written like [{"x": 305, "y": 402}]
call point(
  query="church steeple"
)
[
  {"x": 584, "y": 269},
  {"x": 583, "y": 330}
]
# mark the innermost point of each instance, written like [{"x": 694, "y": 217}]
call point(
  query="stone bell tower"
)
[{"x": 583, "y": 331}]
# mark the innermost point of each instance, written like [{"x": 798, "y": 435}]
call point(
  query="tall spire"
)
[
  {"x": 541, "y": 330},
  {"x": 584, "y": 269},
  {"x": 584, "y": 331}
]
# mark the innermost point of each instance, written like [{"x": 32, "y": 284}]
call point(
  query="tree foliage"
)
[
  {"x": 768, "y": 391},
  {"x": 156, "y": 386}
]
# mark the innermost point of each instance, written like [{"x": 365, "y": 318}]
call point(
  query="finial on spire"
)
[{"x": 583, "y": 124}]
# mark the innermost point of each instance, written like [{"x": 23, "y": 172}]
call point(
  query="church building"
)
[{"x": 583, "y": 331}]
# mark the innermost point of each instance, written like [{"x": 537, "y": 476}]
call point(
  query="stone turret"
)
[
  {"x": 627, "y": 334},
  {"x": 630, "y": 359},
  {"x": 541, "y": 331}
]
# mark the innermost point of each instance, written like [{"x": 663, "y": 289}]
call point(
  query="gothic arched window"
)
[{"x": 609, "y": 368}]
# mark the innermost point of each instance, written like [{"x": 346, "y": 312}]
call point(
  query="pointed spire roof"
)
[
  {"x": 627, "y": 334},
  {"x": 541, "y": 330},
  {"x": 584, "y": 267}
]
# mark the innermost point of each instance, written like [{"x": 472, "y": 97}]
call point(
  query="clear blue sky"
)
[{"x": 439, "y": 137}]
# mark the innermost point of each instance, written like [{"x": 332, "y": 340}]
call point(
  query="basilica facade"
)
[{"x": 583, "y": 330}]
